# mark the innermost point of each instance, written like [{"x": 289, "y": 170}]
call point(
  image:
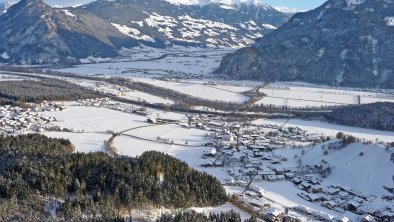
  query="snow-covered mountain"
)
[
  {"x": 290, "y": 11},
  {"x": 33, "y": 32},
  {"x": 213, "y": 23},
  {"x": 343, "y": 42}
]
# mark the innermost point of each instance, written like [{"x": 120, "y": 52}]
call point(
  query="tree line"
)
[
  {"x": 378, "y": 116},
  {"x": 193, "y": 216},
  {"x": 28, "y": 91},
  {"x": 96, "y": 185}
]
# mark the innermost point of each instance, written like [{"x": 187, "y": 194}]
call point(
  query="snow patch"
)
[
  {"x": 226, "y": 4},
  {"x": 351, "y": 4},
  {"x": 5, "y": 56},
  {"x": 202, "y": 23},
  {"x": 321, "y": 52},
  {"x": 389, "y": 21},
  {"x": 343, "y": 54},
  {"x": 132, "y": 32},
  {"x": 164, "y": 24},
  {"x": 69, "y": 13},
  {"x": 288, "y": 10},
  {"x": 356, "y": 170},
  {"x": 269, "y": 26}
]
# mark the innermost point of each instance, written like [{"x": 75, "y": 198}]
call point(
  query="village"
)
[
  {"x": 248, "y": 157},
  {"x": 16, "y": 120},
  {"x": 249, "y": 152}
]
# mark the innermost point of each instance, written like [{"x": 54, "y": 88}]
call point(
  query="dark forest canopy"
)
[
  {"x": 378, "y": 116},
  {"x": 192, "y": 216},
  {"x": 45, "y": 89},
  {"x": 34, "y": 166}
]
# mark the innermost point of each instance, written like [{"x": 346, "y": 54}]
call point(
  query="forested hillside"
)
[
  {"x": 45, "y": 89},
  {"x": 375, "y": 115},
  {"x": 192, "y": 216},
  {"x": 35, "y": 168}
]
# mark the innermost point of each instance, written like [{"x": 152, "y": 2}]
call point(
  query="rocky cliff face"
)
[
  {"x": 342, "y": 43},
  {"x": 31, "y": 32}
]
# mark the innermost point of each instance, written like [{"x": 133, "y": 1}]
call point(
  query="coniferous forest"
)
[
  {"x": 94, "y": 186},
  {"x": 378, "y": 116},
  {"x": 193, "y": 216},
  {"x": 16, "y": 92}
]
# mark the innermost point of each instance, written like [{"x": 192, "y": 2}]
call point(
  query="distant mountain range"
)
[
  {"x": 31, "y": 32},
  {"x": 342, "y": 43}
]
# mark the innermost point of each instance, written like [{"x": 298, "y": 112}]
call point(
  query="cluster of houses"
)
[
  {"x": 338, "y": 198},
  {"x": 109, "y": 89},
  {"x": 253, "y": 200},
  {"x": 257, "y": 137},
  {"x": 105, "y": 103},
  {"x": 245, "y": 164},
  {"x": 273, "y": 212},
  {"x": 15, "y": 120},
  {"x": 267, "y": 210},
  {"x": 246, "y": 153},
  {"x": 97, "y": 102}
]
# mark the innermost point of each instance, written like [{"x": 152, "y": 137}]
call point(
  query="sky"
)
[{"x": 296, "y": 4}]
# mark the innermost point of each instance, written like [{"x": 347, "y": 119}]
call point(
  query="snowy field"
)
[
  {"x": 360, "y": 172},
  {"x": 9, "y": 77},
  {"x": 90, "y": 126},
  {"x": 83, "y": 142},
  {"x": 149, "y": 61},
  {"x": 135, "y": 142},
  {"x": 349, "y": 168},
  {"x": 141, "y": 96},
  {"x": 145, "y": 63},
  {"x": 110, "y": 88},
  {"x": 329, "y": 129},
  {"x": 91, "y": 119},
  {"x": 308, "y": 95},
  {"x": 211, "y": 92}
]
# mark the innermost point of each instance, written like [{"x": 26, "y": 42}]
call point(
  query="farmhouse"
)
[
  {"x": 273, "y": 214},
  {"x": 309, "y": 197}
]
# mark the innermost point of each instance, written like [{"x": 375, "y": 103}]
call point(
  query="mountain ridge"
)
[
  {"x": 341, "y": 43},
  {"x": 213, "y": 25},
  {"x": 35, "y": 33}
]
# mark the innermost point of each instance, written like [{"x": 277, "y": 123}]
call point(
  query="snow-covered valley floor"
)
[
  {"x": 366, "y": 174},
  {"x": 363, "y": 167}
]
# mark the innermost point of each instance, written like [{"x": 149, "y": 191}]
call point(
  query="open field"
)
[
  {"x": 331, "y": 129},
  {"x": 281, "y": 94},
  {"x": 154, "y": 62},
  {"x": 209, "y": 92}
]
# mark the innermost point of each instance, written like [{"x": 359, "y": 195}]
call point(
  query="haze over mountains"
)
[{"x": 343, "y": 42}]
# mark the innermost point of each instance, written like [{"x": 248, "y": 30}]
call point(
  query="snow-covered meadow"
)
[
  {"x": 307, "y": 95},
  {"x": 201, "y": 90},
  {"x": 147, "y": 61},
  {"x": 331, "y": 130}
]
